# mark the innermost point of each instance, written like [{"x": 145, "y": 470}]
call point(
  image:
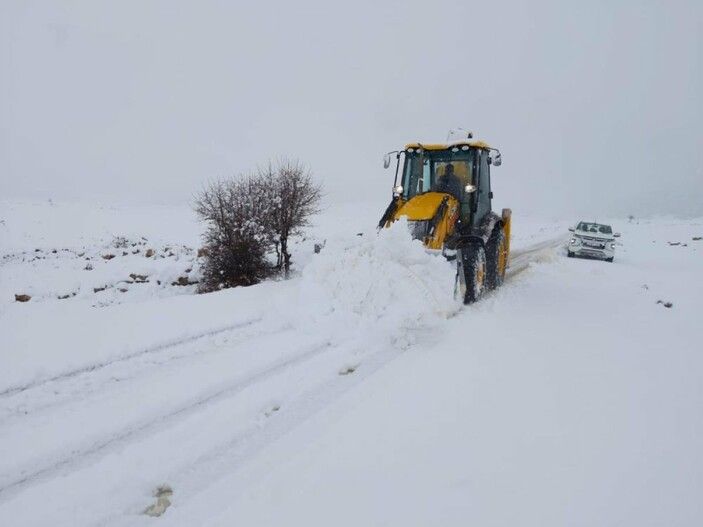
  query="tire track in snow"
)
[
  {"x": 131, "y": 433},
  {"x": 12, "y": 390},
  {"x": 66, "y": 390},
  {"x": 521, "y": 259},
  {"x": 229, "y": 459}
]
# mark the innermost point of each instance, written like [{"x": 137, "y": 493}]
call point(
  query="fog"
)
[{"x": 596, "y": 106}]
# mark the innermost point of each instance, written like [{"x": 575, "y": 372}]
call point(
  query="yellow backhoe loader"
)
[{"x": 444, "y": 191}]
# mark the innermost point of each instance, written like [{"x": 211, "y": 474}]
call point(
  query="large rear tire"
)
[
  {"x": 471, "y": 272},
  {"x": 496, "y": 258}
]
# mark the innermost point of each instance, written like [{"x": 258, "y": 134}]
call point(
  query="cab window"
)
[{"x": 424, "y": 173}]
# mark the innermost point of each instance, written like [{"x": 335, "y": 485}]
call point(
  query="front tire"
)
[
  {"x": 471, "y": 272},
  {"x": 569, "y": 254},
  {"x": 496, "y": 258}
]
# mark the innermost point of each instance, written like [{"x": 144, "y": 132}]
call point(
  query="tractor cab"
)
[{"x": 460, "y": 170}]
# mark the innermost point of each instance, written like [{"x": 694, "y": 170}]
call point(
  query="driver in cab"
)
[{"x": 449, "y": 182}]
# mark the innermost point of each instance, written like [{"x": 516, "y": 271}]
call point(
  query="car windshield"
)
[
  {"x": 437, "y": 170},
  {"x": 594, "y": 227}
]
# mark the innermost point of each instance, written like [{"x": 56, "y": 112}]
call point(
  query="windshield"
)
[
  {"x": 439, "y": 171},
  {"x": 594, "y": 227}
]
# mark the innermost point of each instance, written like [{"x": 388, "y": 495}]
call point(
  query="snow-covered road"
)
[
  {"x": 375, "y": 406},
  {"x": 570, "y": 397}
]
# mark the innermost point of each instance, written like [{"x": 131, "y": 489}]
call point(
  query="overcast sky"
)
[{"x": 597, "y": 106}]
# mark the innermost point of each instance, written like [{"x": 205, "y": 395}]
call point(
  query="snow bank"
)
[{"x": 386, "y": 280}]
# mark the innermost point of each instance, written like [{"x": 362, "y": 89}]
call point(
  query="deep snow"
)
[
  {"x": 359, "y": 392},
  {"x": 570, "y": 397}
]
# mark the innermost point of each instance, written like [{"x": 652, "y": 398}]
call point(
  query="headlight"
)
[
  {"x": 612, "y": 246},
  {"x": 398, "y": 190},
  {"x": 574, "y": 241}
]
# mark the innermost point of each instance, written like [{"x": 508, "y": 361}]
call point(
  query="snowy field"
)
[{"x": 356, "y": 393}]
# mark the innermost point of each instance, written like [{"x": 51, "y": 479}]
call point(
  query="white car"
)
[{"x": 592, "y": 240}]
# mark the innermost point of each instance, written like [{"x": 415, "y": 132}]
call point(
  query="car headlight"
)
[
  {"x": 574, "y": 241},
  {"x": 612, "y": 246}
]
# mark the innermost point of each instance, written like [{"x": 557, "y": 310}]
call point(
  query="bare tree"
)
[
  {"x": 293, "y": 197},
  {"x": 249, "y": 218},
  {"x": 237, "y": 238}
]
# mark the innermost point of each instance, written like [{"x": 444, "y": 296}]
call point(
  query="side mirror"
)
[
  {"x": 616, "y": 235},
  {"x": 387, "y": 160},
  {"x": 497, "y": 160},
  {"x": 571, "y": 229}
]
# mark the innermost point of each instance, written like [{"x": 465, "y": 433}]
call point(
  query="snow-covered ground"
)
[{"x": 356, "y": 393}]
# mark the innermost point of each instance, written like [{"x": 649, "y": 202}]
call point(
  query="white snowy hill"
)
[{"x": 356, "y": 393}]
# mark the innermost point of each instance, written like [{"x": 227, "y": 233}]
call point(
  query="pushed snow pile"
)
[{"x": 389, "y": 280}]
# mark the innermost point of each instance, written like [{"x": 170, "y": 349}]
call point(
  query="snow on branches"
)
[{"x": 249, "y": 218}]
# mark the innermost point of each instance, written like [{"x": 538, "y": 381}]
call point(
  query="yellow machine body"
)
[
  {"x": 424, "y": 207},
  {"x": 460, "y": 223}
]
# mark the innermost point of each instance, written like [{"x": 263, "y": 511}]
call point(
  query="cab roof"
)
[{"x": 442, "y": 146}]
